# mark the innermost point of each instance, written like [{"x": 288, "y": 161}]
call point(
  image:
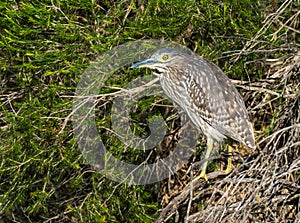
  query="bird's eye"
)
[{"x": 165, "y": 57}]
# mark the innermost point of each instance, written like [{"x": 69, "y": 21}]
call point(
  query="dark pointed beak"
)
[{"x": 144, "y": 63}]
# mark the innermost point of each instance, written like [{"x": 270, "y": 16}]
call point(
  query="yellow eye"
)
[{"x": 165, "y": 57}]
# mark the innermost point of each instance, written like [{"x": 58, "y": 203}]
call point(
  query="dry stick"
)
[
  {"x": 172, "y": 206},
  {"x": 241, "y": 204},
  {"x": 122, "y": 92},
  {"x": 267, "y": 23},
  {"x": 272, "y": 136}
]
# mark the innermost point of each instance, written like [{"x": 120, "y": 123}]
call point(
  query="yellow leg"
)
[
  {"x": 229, "y": 164},
  {"x": 210, "y": 145}
]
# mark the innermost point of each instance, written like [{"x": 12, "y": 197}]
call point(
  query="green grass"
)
[{"x": 44, "y": 48}]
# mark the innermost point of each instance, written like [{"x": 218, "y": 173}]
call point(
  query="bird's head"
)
[{"x": 161, "y": 59}]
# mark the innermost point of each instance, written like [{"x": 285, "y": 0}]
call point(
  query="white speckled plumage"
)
[{"x": 205, "y": 93}]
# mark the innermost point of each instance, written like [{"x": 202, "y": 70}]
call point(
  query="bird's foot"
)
[
  {"x": 229, "y": 162},
  {"x": 204, "y": 177},
  {"x": 229, "y": 166}
]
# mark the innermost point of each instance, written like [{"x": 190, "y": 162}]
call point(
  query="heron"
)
[{"x": 206, "y": 95}]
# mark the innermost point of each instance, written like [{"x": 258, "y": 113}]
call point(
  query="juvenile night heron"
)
[{"x": 207, "y": 96}]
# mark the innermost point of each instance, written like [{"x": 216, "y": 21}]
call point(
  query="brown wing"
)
[{"x": 217, "y": 100}]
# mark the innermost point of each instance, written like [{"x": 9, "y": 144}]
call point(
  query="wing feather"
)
[{"x": 217, "y": 101}]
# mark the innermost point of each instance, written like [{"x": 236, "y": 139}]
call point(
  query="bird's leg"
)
[
  {"x": 229, "y": 162},
  {"x": 210, "y": 145}
]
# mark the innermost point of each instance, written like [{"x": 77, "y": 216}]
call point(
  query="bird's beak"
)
[{"x": 145, "y": 63}]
